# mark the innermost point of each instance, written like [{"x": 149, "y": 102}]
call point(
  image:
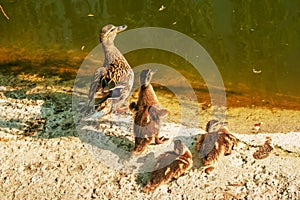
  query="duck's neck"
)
[
  {"x": 147, "y": 96},
  {"x": 110, "y": 51}
]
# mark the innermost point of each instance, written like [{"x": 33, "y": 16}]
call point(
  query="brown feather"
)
[
  {"x": 147, "y": 114},
  {"x": 170, "y": 165},
  {"x": 213, "y": 145},
  {"x": 115, "y": 72}
]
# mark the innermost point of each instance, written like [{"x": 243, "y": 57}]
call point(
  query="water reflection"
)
[{"x": 241, "y": 36}]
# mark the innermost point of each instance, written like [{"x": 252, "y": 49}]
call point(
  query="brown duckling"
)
[
  {"x": 113, "y": 81},
  {"x": 147, "y": 113},
  {"x": 218, "y": 141},
  {"x": 170, "y": 165},
  {"x": 263, "y": 150}
]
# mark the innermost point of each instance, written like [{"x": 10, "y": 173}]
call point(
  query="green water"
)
[{"x": 239, "y": 35}]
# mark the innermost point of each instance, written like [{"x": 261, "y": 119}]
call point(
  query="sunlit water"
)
[{"x": 255, "y": 44}]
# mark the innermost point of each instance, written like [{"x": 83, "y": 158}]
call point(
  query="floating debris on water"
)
[
  {"x": 162, "y": 7},
  {"x": 256, "y": 71},
  {"x": 4, "y": 13}
]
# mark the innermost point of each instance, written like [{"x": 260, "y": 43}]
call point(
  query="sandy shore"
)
[
  {"x": 62, "y": 168},
  {"x": 43, "y": 157}
]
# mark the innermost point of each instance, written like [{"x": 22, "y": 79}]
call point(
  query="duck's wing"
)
[
  {"x": 104, "y": 85},
  {"x": 161, "y": 111},
  {"x": 142, "y": 130},
  {"x": 98, "y": 76},
  {"x": 165, "y": 159},
  {"x": 207, "y": 143},
  {"x": 155, "y": 112},
  {"x": 161, "y": 172},
  {"x": 142, "y": 117},
  {"x": 164, "y": 170}
]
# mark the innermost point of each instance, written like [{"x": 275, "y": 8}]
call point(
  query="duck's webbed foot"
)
[{"x": 160, "y": 140}]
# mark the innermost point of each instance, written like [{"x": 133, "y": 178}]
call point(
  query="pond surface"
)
[{"x": 255, "y": 44}]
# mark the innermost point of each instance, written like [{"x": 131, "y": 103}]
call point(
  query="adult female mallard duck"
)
[
  {"x": 147, "y": 113},
  {"x": 169, "y": 165},
  {"x": 113, "y": 81},
  {"x": 216, "y": 142}
]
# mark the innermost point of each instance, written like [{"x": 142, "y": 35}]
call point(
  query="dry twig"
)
[{"x": 2, "y": 10}]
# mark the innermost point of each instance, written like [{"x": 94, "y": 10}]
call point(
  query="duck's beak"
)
[
  {"x": 121, "y": 28},
  {"x": 224, "y": 123},
  {"x": 153, "y": 71}
]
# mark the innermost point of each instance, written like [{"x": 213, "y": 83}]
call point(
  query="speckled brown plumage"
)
[
  {"x": 147, "y": 114},
  {"x": 216, "y": 143},
  {"x": 263, "y": 150},
  {"x": 113, "y": 81},
  {"x": 170, "y": 165}
]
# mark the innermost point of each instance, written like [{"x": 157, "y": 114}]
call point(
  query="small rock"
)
[
  {"x": 250, "y": 185},
  {"x": 2, "y": 88}
]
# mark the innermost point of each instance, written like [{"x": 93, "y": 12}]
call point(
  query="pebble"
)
[
  {"x": 2, "y": 88},
  {"x": 250, "y": 185}
]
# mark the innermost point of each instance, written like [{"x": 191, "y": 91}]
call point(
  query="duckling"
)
[
  {"x": 263, "y": 150},
  {"x": 170, "y": 165},
  {"x": 216, "y": 142},
  {"x": 113, "y": 81},
  {"x": 147, "y": 113}
]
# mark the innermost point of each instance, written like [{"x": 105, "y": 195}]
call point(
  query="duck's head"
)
[
  {"x": 179, "y": 147},
  {"x": 109, "y": 32},
  {"x": 146, "y": 76},
  {"x": 215, "y": 125}
]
